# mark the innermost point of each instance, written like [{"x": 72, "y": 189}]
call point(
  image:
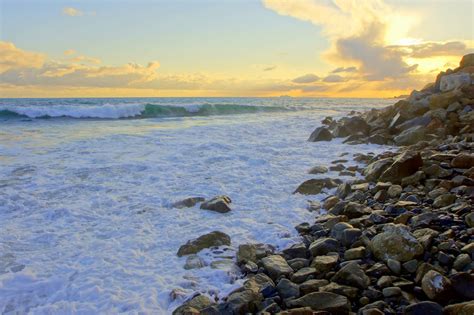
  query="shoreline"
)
[{"x": 399, "y": 241}]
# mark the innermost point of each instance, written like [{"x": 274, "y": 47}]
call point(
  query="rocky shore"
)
[{"x": 399, "y": 241}]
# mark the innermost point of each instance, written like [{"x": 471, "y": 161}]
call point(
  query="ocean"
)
[{"x": 86, "y": 188}]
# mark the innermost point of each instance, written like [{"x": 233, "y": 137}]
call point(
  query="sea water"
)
[{"x": 86, "y": 188}]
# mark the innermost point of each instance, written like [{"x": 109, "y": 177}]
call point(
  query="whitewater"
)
[{"x": 86, "y": 187}]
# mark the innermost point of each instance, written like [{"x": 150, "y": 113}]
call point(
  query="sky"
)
[{"x": 324, "y": 48}]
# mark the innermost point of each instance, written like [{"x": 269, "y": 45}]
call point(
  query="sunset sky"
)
[{"x": 338, "y": 48}]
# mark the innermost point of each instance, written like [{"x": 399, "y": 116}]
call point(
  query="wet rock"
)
[
  {"x": 197, "y": 303},
  {"x": 375, "y": 169},
  {"x": 404, "y": 165},
  {"x": 303, "y": 274},
  {"x": 295, "y": 251},
  {"x": 246, "y": 253},
  {"x": 397, "y": 243},
  {"x": 444, "y": 200},
  {"x": 320, "y": 134},
  {"x": 352, "y": 275},
  {"x": 276, "y": 266},
  {"x": 287, "y": 289},
  {"x": 323, "y": 246},
  {"x": 323, "y": 301},
  {"x": 318, "y": 169},
  {"x": 434, "y": 285},
  {"x": 330, "y": 202},
  {"x": 324, "y": 263},
  {"x": 209, "y": 240},
  {"x": 219, "y": 204},
  {"x": 312, "y": 285},
  {"x": 463, "y": 161},
  {"x": 188, "y": 202},
  {"x": 193, "y": 262},
  {"x": 315, "y": 186},
  {"x": 424, "y": 308}
]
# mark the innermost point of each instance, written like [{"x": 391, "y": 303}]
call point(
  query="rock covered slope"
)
[{"x": 399, "y": 241}]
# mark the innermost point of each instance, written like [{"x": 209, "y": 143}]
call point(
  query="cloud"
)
[
  {"x": 357, "y": 31},
  {"x": 334, "y": 78},
  {"x": 12, "y": 57},
  {"x": 431, "y": 49},
  {"x": 342, "y": 69},
  {"x": 307, "y": 78},
  {"x": 72, "y": 11},
  {"x": 85, "y": 59}
]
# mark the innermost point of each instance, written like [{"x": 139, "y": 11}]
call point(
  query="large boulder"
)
[
  {"x": 355, "y": 125},
  {"x": 395, "y": 242},
  {"x": 467, "y": 61},
  {"x": 323, "y": 301},
  {"x": 209, "y": 240},
  {"x": 454, "y": 81},
  {"x": 276, "y": 266},
  {"x": 375, "y": 169},
  {"x": 443, "y": 100},
  {"x": 219, "y": 204},
  {"x": 404, "y": 165},
  {"x": 411, "y": 135},
  {"x": 320, "y": 134}
]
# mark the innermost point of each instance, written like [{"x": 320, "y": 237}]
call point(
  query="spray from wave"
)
[{"x": 137, "y": 111}]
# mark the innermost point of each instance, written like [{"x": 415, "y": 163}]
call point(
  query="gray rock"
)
[
  {"x": 219, "y": 204},
  {"x": 352, "y": 275},
  {"x": 303, "y": 274},
  {"x": 212, "y": 239},
  {"x": 276, "y": 266},
  {"x": 287, "y": 289},
  {"x": 197, "y": 303},
  {"x": 193, "y": 262},
  {"x": 318, "y": 170},
  {"x": 323, "y": 246},
  {"x": 323, "y": 301},
  {"x": 320, "y": 134},
  {"x": 397, "y": 243}
]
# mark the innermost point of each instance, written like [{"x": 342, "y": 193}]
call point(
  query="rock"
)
[
  {"x": 193, "y": 262},
  {"x": 323, "y": 264},
  {"x": 437, "y": 172},
  {"x": 461, "y": 261},
  {"x": 287, "y": 289},
  {"x": 212, "y": 239},
  {"x": 330, "y": 202},
  {"x": 466, "y": 308},
  {"x": 394, "y": 266},
  {"x": 355, "y": 210},
  {"x": 197, "y": 303},
  {"x": 375, "y": 169},
  {"x": 463, "y": 161},
  {"x": 276, "y": 266},
  {"x": 444, "y": 200},
  {"x": 443, "y": 100},
  {"x": 323, "y": 246},
  {"x": 188, "y": 202},
  {"x": 411, "y": 265},
  {"x": 395, "y": 191},
  {"x": 242, "y": 302},
  {"x": 312, "y": 285},
  {"x": 355, "y": 124},
  {"x": 246, "y": 253},
  {"x": 397, "y": 243},
  {"x": 303, "y": 274},
  {"x": 467, "y": 61},
  {"x": 391, "y": 292},
  {"x": 323, "y": 301},
  {"x": 434, "y": 285},
  {"x": 219, "y": 204},
  {"x": 454, "y": 81},
  {"x": 347, "y": 291},
  {"x": 424, "y": 308},
  {"x": 338, "y": 229},
  {"x": 463, "y": 285},
  {"x": 295, "y": 251},
  {"x": 413, "y": 179},
  {"x": 343, "y": 190},
  {"x": 404, "y": 165},
  {"x": 318, "y": 170},
  {"x": 315, "y": 186},
  {"x": 349, "y": 236},
  {"x": 355, "y": 253},
  {"x": 411, "y": 136},
  {"x": 352, "y": 275},
  {"x": 320, "y": 134}
]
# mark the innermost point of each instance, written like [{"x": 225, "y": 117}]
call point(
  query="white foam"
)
[{"x": 84, "y": 205}]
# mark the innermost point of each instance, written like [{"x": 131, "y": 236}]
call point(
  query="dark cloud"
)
[
  {"x": 334, "y": 78},
  {"x": 269, "y": 68},
  {"x": 342, "y": 69},
  {"x": 307, "y": 78}
]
